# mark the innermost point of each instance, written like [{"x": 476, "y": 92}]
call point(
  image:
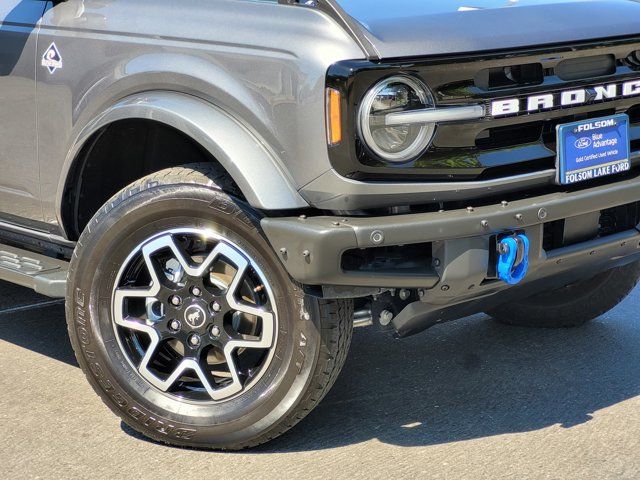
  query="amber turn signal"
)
[{"x": 334, "y": 117}]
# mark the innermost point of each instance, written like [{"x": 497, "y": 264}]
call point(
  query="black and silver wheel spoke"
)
[{"x": 192, "y": 311}]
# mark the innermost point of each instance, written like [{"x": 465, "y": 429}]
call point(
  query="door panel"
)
[{"x": 19, "y": 178}]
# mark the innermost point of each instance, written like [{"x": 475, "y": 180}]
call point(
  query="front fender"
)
[{"x": 248, "y": 160}]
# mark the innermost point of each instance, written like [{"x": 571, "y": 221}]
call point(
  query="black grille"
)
[
  {"x": 634, "y": 114},
  {"x": 509, "y": 135},
  {"x": 633, "y": 60},
  {"x": 490, "y": 148}
]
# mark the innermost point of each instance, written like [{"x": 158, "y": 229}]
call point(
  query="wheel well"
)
[{"x": 117, "y": 155}]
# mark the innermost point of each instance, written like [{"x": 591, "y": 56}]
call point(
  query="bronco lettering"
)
[{"x": 548, "y": 101}]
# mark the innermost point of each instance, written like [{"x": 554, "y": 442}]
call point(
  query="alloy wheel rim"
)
[{"x": 194, "y": 315}]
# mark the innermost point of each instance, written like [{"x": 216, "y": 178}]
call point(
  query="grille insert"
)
[
  {"x": 633, "y": 60},
  {"x": 510, "y": 76},
  {"x": 587, "y": 67},
  {"x": 502, "y": 137}
]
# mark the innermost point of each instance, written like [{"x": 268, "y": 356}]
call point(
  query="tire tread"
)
[{"x": 335, "y": 316}]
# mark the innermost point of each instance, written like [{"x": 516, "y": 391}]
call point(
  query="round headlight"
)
[{"x": 397, "y": 143}]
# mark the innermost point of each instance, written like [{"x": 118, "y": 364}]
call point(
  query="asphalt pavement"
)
[{"x": 469, "y": 399}]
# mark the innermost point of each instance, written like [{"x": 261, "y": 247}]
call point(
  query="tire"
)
[
  {"x": 572, "y": 305},
  {"x": 303, "y": 341}
]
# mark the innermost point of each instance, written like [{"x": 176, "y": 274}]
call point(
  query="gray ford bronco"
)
[{"x": 222, "y": 189}]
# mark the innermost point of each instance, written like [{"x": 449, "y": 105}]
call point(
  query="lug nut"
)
[
  {"x": 174, "y": 325},
  {"x": 215, "y": 306},
  {"x": 404, "y": 294},
  {"x": 194, "y": 340},
  {"x": 196, "y": 291},
  {"x": 215, "y": 331},
  {"x": 175, "y": 300}
]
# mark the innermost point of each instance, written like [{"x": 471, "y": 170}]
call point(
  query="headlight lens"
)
[{"x": 398, "y": 143}]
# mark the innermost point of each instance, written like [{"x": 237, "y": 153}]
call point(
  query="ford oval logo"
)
[{"x": 583, "y": 142}]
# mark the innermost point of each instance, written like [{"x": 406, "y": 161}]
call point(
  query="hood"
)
[{"x": 408, "y": 28}]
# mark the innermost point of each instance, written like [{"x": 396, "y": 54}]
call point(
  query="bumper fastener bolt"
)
[
  {"x": 542, "y": 213},
  {"x": 404, "y": 294},
  {"x": 445, "y": 288},
  {"x": 377, "y": 237}
]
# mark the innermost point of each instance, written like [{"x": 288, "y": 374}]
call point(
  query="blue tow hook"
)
[{"x": 513, "y": 258}]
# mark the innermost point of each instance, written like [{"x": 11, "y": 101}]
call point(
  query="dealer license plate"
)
[{"x": 592, "y": 149}]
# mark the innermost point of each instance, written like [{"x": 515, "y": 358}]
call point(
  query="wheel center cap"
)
[{"x": 195, "y": 316}]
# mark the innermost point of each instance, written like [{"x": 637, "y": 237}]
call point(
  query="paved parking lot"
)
[{"x": 471, "y": 399}]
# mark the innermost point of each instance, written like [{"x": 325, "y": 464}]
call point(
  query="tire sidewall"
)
[{"x": 113, "y": 234}]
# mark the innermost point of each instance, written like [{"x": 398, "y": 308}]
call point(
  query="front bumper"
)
[{"x": 311, "y": 249}]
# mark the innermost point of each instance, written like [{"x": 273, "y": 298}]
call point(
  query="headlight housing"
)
[{"x": 395, "y": 143}]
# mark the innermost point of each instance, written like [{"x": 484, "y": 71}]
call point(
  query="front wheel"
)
[
  {"x": 572, "y": 305},
  {"x": 187, "y": 325}
]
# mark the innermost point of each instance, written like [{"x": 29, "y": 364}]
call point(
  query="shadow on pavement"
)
[
  {"x": 34, "y": 322},
  {"x": 471, "y": 379},
  {"x": 464, "y": 380}
]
